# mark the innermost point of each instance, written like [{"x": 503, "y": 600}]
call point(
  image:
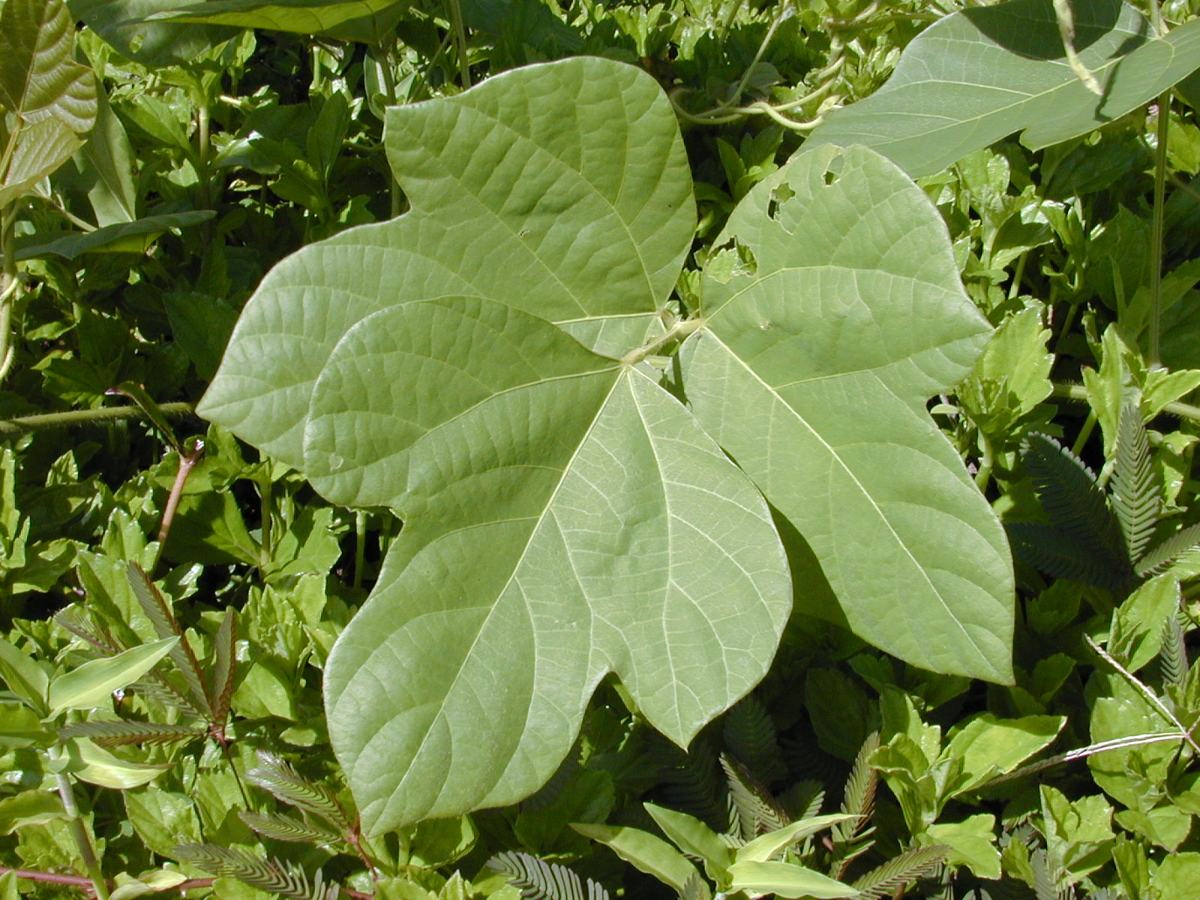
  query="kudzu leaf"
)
[
  {"x": 564, "y": 516},
  {"x": 844, "y": 315},
  {"x": 981, "y": 74}
]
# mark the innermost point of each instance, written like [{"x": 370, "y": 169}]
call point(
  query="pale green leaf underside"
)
[
  {"x": 297, "y": 16},
  {"x": 984, "y": 73},
  {"x": 568, "y": 518},
  {"x": 564, "y": 516},
  {"x": 559, "y": 189},
  {"x": 813, "y": 374}
]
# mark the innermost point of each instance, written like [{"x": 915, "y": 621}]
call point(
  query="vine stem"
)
[
  {"x": 1157, "y": 226},
  {"x": 82, "y": 882},
  {"x": 9, "y": 283},
  {"x": 83, "y": 840},
  {"x": 23, "y": 424},
  {"x": 678, "y": 331},
  {"x": 1174, "y": 408},
  {"x": 187, "y": 462}
]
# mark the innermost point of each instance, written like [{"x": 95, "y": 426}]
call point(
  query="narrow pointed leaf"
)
[
  {"x": 763, "y": 848},
  {"x": 23, "y": 676},
  {"x": 984, "y": 73},
  {"x": 841, "y": 316},
  {"x": 693, "y": 837},
  {"x": 786, "y": 880},
  {"x": 93, "y": 682},
  {"x": 645, "y": 852}
]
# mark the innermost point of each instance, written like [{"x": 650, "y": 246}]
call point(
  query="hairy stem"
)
[
  {"x": 187, "y": 462},
  {"x": 23, "y": 424},
  {"x": 678, "y": 331}
]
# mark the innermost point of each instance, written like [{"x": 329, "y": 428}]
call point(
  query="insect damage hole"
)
[
  {"x": 731, "y": 259},
  {"x": 780, "y": 194},
  {"x": 833, "y": 171}
]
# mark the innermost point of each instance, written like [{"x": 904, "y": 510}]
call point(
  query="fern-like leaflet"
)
[
  {"x": 540, "y": 880},
  {"x": 282, "y": 879}
]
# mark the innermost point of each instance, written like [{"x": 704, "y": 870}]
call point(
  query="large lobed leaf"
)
[
  {"x": 843, "y": 314},
  {"x": 51, "y": 98},
  {"x": 981, "y": 74},
  {"x": 565, "y": 516},
  {"x": 469, "y": 365}
]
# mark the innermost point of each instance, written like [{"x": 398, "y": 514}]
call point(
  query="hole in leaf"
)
[
  {"x": 780, "y": 195},
  {"x": 834, "y": 172},
  {"x": 730, "y": 260}
]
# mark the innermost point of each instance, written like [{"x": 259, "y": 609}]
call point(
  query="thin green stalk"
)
[
  {"x": 204, "y": 143},
  {"x": 986, "y": 463},
  {"x": 1156, "y": 232},
  {"x": 1174, "y": 408},
  {"x": 1089, "y": 425},
  {"x": 360, "y": 546},
  {"x": 83, "y": 840},
  {"x": 460, "y": 41},
  {"x": 389, "y": 93},
  {"x": 9, "y": 283}
]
